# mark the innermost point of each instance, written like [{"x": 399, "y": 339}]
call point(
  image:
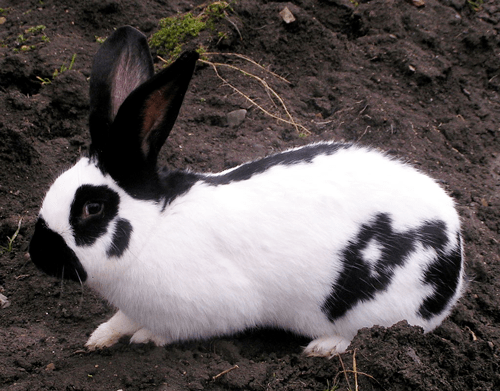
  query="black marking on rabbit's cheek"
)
[
  {"x": 305, "y": 154},
  {"x": 363, "y": 276},
  {"x": 444, "y": 275},
  {"x": 121, "y": 238},
  {"x": 50, "y": 253},
  {"x": 92, "y": 210}
]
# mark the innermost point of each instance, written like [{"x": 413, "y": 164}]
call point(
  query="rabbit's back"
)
[{"x": 336, "y": 237}]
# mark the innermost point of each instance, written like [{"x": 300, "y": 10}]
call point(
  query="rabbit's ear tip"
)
[
  {"x": 127, "y": 30},
  {"x": 186, "y": 62},
  {"x": 189, "y": 56}
]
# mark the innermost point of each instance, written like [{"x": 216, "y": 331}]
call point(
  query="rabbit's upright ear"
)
[
  {"x": 121, "y": 65},
  {"x": 132, "y": 111}
]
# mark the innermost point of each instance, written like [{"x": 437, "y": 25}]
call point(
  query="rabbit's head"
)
[{"x": 91, "y": 209}]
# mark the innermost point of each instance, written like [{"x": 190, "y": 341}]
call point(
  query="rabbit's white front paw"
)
[
  {"x": 327, "y": 346},
  {"x": 108, "y": 333},
  {"x": 145, "y": 336}
]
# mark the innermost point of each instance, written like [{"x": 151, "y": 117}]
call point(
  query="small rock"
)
[
  {"x": 418, "y": 3},
  {"x": 411, "y": 352},
  {"x": 287, "y": 16},
  {"x": 4, "y": 302},
  {"x": 50, "y": 367},
  {"x": 236, "y": 117}
]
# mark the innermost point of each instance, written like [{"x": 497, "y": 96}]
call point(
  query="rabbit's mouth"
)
[{"x": 50, "y": 253}]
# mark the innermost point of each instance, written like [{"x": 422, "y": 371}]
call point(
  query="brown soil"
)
[{"x": 421, "y": 82}]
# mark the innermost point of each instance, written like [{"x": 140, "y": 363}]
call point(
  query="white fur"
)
[{"x": 257, "y": 252}]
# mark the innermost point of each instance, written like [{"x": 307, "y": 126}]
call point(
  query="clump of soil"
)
[{"x": 421, "y": 82}]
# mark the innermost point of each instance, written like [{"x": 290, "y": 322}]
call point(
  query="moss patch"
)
[{"x": 175, "y": 31}]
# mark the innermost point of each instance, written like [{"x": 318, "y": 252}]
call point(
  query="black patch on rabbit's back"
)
[
  {"x": 304, "y": 154},
  {"x": 175, "y": 183},
  {"x": 121, "y": 238},
  {"x": 361, "y": 278},
  {"x": 87, "y": 230},
  {"x": 50, "y": 253}
]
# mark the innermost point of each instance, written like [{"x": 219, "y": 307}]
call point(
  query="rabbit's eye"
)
[{"x": 92, "y": 209}]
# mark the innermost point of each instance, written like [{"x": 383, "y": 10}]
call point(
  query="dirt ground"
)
[{"x": 422, "y": 82}]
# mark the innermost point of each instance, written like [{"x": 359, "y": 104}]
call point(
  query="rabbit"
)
[{"x": 321, "y": 240}]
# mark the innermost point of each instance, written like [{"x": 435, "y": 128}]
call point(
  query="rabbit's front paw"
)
[
  {"x": 145, "y": 336},
  {"x": 327, "y": 346},
  {"x": 102, "y": 337},
  {"x": 108, "y": 333}
]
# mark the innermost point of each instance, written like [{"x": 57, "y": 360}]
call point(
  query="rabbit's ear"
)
[
  {"x": 147, "y": 116},
  {"x": 127, "y": 146},
  {"x": 121, "y": 65}
]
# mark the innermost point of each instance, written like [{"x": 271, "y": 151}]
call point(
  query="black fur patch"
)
[
  {"x": 171, "y": 184},
  {"x": 301, "y": 155},
  {"x": 50, "y": 253},
  {"x": 87, "y": 229},
  {"x": 444, "y": 275},
  {"x": 175, "y": 183},
  {"x": 362, "y": 279},
  {"x": 121, "y": 238}
]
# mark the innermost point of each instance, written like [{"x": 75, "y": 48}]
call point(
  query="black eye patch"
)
[{"x": 87, "y": 228}]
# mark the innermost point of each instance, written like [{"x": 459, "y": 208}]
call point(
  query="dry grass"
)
[{"x": 280, "y": 112}]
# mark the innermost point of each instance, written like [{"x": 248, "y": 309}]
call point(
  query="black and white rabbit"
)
[{"x": 321, "y": 240}]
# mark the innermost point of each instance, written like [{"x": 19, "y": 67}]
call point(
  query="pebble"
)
[
  {"x": 236, "y": 117},
  {"x": 50, "y": 367},
  {"x": 287, "y": 16},
  {"x": 4, "y": 302}
]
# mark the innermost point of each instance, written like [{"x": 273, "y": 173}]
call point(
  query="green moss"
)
[
  {"x": 216, "y": 11},
  {"x": 36, "y": 30},
  {"x": 201, "y": 51},
  {"x": 175, "y": 31}
]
